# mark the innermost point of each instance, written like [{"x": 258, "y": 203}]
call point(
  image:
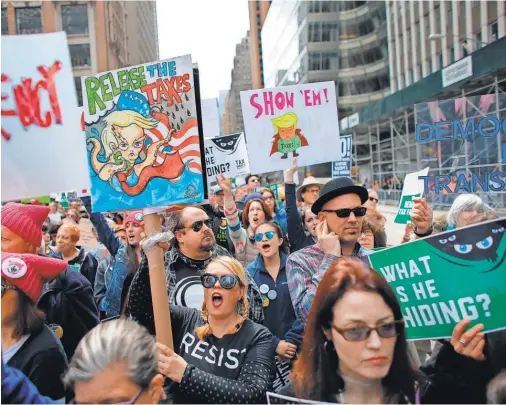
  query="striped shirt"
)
[{"x": 305, "y": 269}]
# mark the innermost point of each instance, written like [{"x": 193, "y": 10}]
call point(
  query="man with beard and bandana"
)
[
  {"x": 218, "y": 219},
  {"x": 193, "y": 247}
]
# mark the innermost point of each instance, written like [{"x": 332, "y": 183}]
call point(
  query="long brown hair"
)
[
  {"x": 315, "y": 373},
  {"x": 265, "y": 208}
]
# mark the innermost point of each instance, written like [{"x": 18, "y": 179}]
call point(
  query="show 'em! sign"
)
[
  {"x": 445, "y": 278},
  {"x": 41, "y": 141},
  {"x": 291, "y": 121},
  {"x": 342, "y": 168},
  {"x": 143, "y": 137},
  {"x": 226, "y": 155}
]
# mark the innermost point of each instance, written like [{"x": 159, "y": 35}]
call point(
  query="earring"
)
[{"x": 329, "y": 346}]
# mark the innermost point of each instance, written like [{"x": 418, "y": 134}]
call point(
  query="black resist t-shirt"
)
[{"x": 221, "y": 357}]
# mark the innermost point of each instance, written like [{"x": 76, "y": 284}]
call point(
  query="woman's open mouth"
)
[{"x": 217, "y": 300}]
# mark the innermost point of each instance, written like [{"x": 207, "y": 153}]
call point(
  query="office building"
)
[
  {"x": 97, "y": 32},
  {"x": 142, "y": 31},
  {"x": 257, "y": 13},
  {"x": 438, "y": 50},
  {"x": 241, "y": 80},
  {"x": 316, "y": 41}
]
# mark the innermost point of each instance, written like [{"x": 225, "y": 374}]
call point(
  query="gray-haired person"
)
[{"x": 116, "y": 362}]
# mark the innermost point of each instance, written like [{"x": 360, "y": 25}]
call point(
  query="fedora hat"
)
[
  {"x": 308, "y": 181},
  {"x": 335, "y": 188}
]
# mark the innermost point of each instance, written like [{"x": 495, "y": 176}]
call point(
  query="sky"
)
[{"x": 203, "y": 29}]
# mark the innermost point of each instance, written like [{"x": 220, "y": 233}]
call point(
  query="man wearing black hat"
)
[{"x": 339, "y": 209}]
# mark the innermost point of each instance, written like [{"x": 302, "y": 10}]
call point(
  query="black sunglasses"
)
[
  {"x": 198, "y": 225},
  {"x": 346, "y": 212},
  {"x": 361, "y": 333},
  {"x": 373, "y": 199},
  {"x": 227, "y": 281}
]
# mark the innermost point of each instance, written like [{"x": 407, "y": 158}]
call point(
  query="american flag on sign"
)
[{"x": 185, "y": 141}]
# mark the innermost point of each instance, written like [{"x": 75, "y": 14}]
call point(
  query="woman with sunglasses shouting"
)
[
  {"x": 268, "y": 271},
  {"x": 255, "y": 212},
  {"x": 355, "y": 348},
  {"x": 221, "y": 356}
]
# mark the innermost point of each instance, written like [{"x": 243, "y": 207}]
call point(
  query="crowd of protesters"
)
[{"x": 265, "y": 295}]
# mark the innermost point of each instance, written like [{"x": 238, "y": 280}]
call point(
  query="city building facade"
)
[
  {"x": 427, "y": 40},
  {"x": 315, "y": 41},
  {"x": 97, "y": 32},
  {"x": 142, "y": 31},
  {"x": 241, "y": 80},
  {"x": 257, "y": 13}
]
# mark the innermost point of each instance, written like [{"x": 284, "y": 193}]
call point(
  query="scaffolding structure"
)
[{"x": 387, "y": 148}]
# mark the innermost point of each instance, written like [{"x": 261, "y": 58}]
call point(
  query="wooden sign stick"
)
[{"x": 161, "y": 310}]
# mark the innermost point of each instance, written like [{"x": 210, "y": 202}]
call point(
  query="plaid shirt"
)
[
  {"x": 139, "y": 304},
  {"x": 305, "y": 269}
]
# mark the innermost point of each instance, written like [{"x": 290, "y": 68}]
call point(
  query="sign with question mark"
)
[
  {"x": 443, "y": 279},
  {"x": 226, "y": 155}
]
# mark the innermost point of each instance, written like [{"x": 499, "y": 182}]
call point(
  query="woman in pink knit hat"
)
[{"x": 27, "y": 343}]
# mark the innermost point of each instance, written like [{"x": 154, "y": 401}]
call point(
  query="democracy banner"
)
[
  {"x": 342, "y": 168},
  {"x": 142, "y": 136},
  {"x": 413, "y": 188},
  {"x": 291, "y": 121},
  {"x": 43, "y": 151},
  {"x": 226, "y": 155},
  {"x": 445, "y": 278}
]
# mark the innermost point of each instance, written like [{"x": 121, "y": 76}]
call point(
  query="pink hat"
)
[
  {"x": 136, "y": 217},
  {"x": 25, "y": 221},
  {"x": 29, "y": 273}
]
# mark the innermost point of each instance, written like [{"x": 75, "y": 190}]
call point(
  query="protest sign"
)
[
  {"x": 43, "y": 150},
  {"x": 226, "y": 155},
  {"x": 143, "y": 137},
  {"x": 342, "y": 168},
  {"x": 87, "y": 239},
  {"x": 413, "y": 188},
  {"x": 275, "y": 190},
  {"x": 461, "y": 140},
  {"x": 445, "y": 278},
  {"x": 291, "y": 121},
  {"x": 210, "y": 117}
]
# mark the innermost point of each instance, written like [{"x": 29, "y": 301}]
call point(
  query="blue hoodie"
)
[{"x": 279, "y": 314}]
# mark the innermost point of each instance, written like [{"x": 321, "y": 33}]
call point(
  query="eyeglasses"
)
[
  {"x": 132, "y": 401},
  {"x": 197, "y": 225},
  {"x": 372, "y": 199},
  {"x": 346, "y": 212},
  {"x": 260, "y": 236},
  {"x": 361, "y": 333},
  {"x": 228, "y": 281}
]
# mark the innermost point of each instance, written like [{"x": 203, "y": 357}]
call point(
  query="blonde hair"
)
[
  {"x": 285, "y": 121},
  {"x": 75, "y": 232},
  {"x": 122, "y": 119},
  {"x": 242, "y": 306}
]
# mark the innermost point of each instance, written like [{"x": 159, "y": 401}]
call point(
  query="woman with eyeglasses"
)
[
  {"x": 372, "y": 207},
  {"x": 255, "y": 212},
  {"x": 277, "y": 213},
  {"x": 268, "y": 271},
  {"x": 373, "y": 233},
  {"x": 355, "y": 348},
  {"x": 220, "y": 355}
]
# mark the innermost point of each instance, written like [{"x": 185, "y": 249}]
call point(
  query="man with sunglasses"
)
[
  {"x": 340, "y": 211},
  {"x": 193, "y": 248}
]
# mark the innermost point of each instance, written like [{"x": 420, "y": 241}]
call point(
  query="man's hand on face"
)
[{"x": 328, "y": 241}]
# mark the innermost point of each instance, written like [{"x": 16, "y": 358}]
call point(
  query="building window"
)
[
  {"x": 5, "y": 22},
  {"x": 75, "y": 19},
  {"x": 257, "y": 5},
  {"x": 28, "y": 20},
  {"x": 479, "y": 44},
  {"x": 79, "y": 90},
  {"x": 493, "y": 31},
  {"x": 258, "y": 19},
  {"x": 80, "y": 55}
]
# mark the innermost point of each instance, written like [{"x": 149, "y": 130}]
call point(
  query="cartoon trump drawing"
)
[{"x": 288, "y": 137}]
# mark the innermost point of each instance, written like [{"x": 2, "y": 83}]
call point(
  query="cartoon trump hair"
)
[{"x": 288, "y": 137}]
